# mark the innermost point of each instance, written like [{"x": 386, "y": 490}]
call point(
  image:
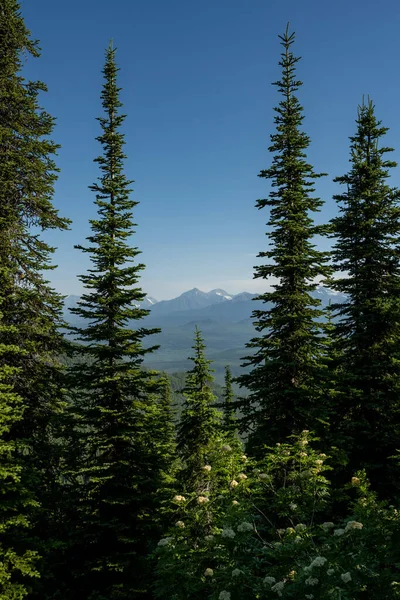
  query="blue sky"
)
[{"x": 196, "y": 79}]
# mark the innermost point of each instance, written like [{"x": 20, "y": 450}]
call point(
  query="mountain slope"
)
[{"x": 224, "y": 319}]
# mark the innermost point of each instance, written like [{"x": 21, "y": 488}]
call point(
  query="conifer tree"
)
[
  {"x": 30, "y": 337},
  {"x": 161, "y": 445},
  {"x": 113, "y": 395},
  {"x": 284, "y": 383},
  {"x": 200, "y": 420},
  {"x": 163, "y": 426},
  {"x": 17, "y": 561},
  {"x": 366, "y": 334},
  {"x": 162, "y": 456},
  {"x": 228, "y": 410}
]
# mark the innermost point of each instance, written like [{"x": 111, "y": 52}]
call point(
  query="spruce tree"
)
[
  {"x": 17, "y": 561},
  {"x": 284, "y": 382},
  {"x": 200, "y": 420},
  {"x": 366, "y": 332},
  {"x": 113, "y": 396},
  {"x": 30, "y": 337},
  {"x": 228, "y": 410}
]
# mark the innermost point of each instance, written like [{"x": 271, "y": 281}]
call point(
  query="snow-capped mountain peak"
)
[{"x": 221, "y": 293}]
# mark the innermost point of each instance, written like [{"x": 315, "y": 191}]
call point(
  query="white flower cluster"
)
[
  {"x": 269, "y": 580},
  {"x": 236, "y": 572},
  {"x": 226, "y": 448},
  {"x": 327, "y": 525},
  {"x": 245, "y": 527},
  {"x": 209, "y": 538},
  {"x": 301, "y": 527},
  {"x": 319, "y": 561},
  {"x": 312, "y": 581},
  {"x": 278, "y": 587},
  {"x": 207, "y": 468},
  {"x": 338, "y": 532},
  {"x": 228, "y": 533},
  {"x": 208, "y": 572},
  {"x": 202, "y": 499},
  {"x": 234, "y": 483},
  {"x": 179, "y": 498},
  {"x": 290, "y": 530},
  {"x": 242, "y": 476},
  {"x": 345, "y": 577},
  {"x": 224, "y": 595},
  {"x": 164, "y": 541},
  {"x": 180, "y": 524},
  {"x": 353, "y": 525}
]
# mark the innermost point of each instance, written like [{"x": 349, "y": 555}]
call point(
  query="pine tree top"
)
[
  {"x": 200, "y": 421},
  {"x": 283, "y": 383},
  {"x": 200, "y": 375},
  {"x": 367, "y": 229},
  {"x": 113, "y": 282}
]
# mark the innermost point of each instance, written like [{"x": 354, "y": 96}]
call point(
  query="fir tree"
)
[
  {"x": 200, "y": 421},
  {"x": 113, "y": 395},
  {"x": 30, "y": 337},
  {"x": 228, "y": 410},
  {"x": 17, "y": 561},
  {"x": 161, "y": 450},
  {"x": 163, "y": 426},
  {"x": 284, "y": 383},
  {"x": 367, "y": 329}
]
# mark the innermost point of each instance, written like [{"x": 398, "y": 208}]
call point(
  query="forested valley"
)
[{"x": 283, "y": 483}]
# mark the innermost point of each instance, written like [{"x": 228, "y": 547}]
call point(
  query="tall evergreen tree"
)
[
  {"x": 113, "y": 395},
  {"x": 17, "y": 560},
  {"x": 228, "y": 410},
  {"x": 284, "y": 383},
  {"x": 200, "y": 420},
  {"x": 30, "y": 337},
  {"x": 366, "y": 334}
]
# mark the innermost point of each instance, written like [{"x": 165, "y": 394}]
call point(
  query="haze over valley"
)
[{"x": 224, "y": 319}]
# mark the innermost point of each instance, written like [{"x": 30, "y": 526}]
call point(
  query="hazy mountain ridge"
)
[{"x": 224, "y": 319}]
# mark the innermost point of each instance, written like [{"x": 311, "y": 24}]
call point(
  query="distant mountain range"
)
[{"x": 224, "y": 319}]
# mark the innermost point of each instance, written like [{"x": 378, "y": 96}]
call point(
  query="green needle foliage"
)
[
  {"x": 113, "y": 395},
  {"x": 17, "y": 562},
  {"x": 284, "y": 383},
  {"x": 31, "y": 394},
  {"x": 367, "y": 329},
  {"x": 228, "y": 410},
  {"x": 200, "y": 420}
]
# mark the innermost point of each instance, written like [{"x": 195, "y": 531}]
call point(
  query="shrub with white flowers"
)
[{"x": 276, "y": 542}]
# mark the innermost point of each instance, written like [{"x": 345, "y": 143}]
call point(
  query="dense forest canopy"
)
[{"x": 118, "y": 481}]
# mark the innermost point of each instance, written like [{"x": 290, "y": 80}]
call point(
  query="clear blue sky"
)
[{"x": 196, "y": 79}]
